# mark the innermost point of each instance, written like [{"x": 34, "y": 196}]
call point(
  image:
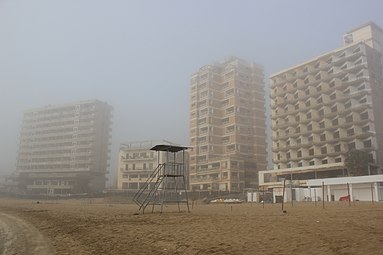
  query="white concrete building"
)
[{"x": 325, "y": 107}]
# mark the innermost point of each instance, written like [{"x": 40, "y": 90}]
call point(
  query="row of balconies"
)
[
  {"x": 349, "y": 70},
  {"x": 314, "y": 120},
  {"x": 321, "y": 97},
  {"x": 51, "y": 156},
  {"x": 53, "y": 145},
  {"x": 329, "y": 111},
  {"x": 323, "y": 63},
  {"x": 316, "y": 97},
  {"x": 310, "y": 162},
  {"x": 59, "y": 116},
  {"x": 359, "y": 99},
  {"x": 331, "y": 150},
  {"x": 332, "y": 126},
  {"x": 305, "y": 139},
  {"x": 49, "y": 121}
]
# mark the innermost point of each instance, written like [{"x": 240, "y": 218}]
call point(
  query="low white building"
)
[
  {"x": 359, "y": 188},
  {"x": 137, "y": 162}
]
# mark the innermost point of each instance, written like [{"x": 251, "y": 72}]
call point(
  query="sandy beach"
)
[{"x": 89, "y": 226}]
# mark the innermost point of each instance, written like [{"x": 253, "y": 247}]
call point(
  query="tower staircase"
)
[{"x": 167, "y": 183}]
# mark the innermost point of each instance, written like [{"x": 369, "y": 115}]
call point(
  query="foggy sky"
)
[{"x": 138, "y": 55}]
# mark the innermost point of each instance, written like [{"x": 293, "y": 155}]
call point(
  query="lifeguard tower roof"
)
[{"x": 167, "y": 147}]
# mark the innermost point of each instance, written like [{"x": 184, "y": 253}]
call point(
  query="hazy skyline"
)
[{"x": 138, "y": 55}]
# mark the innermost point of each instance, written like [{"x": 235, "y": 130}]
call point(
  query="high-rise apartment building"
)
[
  {"x": 327, "y": 106},
  {"x": 227, "y": 126},
  {"x": 137, "y": 162},
  {"x": 65, "y": 149}
]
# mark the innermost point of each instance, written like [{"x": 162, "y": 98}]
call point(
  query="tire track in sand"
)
[{"x": 20, "y": 237}]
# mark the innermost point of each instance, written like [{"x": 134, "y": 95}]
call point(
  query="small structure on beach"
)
[{"x": 167, "y": 183}]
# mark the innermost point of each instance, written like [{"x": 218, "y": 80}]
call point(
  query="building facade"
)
[
  {"x": 136, "y": 162},
  {"x": 65, "y": 149},
  {"x": 327, "y": 106},
  {"x": 227, "y": 126}
]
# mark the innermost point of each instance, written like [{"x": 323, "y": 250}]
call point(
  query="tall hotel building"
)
[
  {"x": 327, "y": 106},
  {"x": 65, "y": 149},
  {"x": 227, "y": 126}
]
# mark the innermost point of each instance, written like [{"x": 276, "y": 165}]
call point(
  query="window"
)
[
  {"x": 337, "y": 160},
  {"x": 320, "y": 100},
  {"x": 335, "y": 122},
  {"x": 323, "y": 137},
  {"x": 299, "y": 154},
  {"x": 321, "y": 112},
  {"x": 298, "y": 130},
  {"x": 321, "y": 125},
  {"x": 310, "y": 127},
  {"x": 350, "y": 132},
  {"x": 337, "y": 148},
  {"x": 367, "y": 144},
  {"x": 230, "y": 110},
  {"x": 319, "y": 88},
  {"x": 364, "y": 116},
  {"x": 366, "y": 128},
  {"x": 299, "y": 141},
  {"x": 307, "y": 92},
  {"x": 333, "y": 96},
  {"x": 311, "y": 163},
  {"x": 349, "y": 118},
  {"x": 296, "y": 106},
  {"x": 323, "y": 150},
  {"x": 347, "y": 105},
  {"x": 324, "y": 161},
  {"x": 308, "y": 115},
  {"x": 311, "y": 152},
  {"x": 351, "y": 146},
  {"x": 336, "y": 135},
  {"x": 230, "y": 129},
  {"x": 297, "y": 118},
  {"x": 308, "y": 103},
  {"x": 310, "y": 138},
  {"x": 334, "y": 109},
  {"x": 288, "y": 155}
]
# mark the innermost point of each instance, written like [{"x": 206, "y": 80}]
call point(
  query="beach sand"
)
[{"x": 96, "y": 226}]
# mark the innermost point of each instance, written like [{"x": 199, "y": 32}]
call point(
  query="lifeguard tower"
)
[{"x": 167, "y": 183}]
